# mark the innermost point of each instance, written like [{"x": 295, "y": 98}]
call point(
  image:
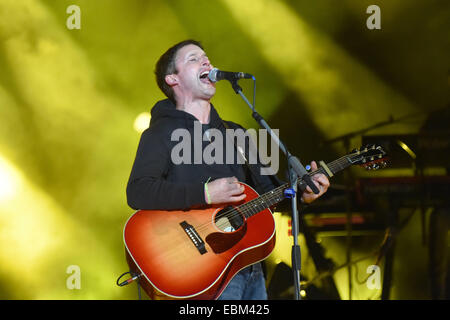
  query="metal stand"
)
[
  {"x": 296, "y": 170},
  {"x": 348, "y": 225}
]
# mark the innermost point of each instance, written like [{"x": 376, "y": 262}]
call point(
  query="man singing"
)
[{"x": 157, "y": 183}]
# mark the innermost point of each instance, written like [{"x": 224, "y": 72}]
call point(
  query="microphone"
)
[{"x": 217, "y": 75}]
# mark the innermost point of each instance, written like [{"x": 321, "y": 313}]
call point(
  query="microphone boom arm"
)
[
  {"x": 296, "y": 170},
  {"x": 293, "y": 161}
]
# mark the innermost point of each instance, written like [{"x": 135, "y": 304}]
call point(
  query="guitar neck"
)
[
  {"x": 276, "y": 195},
  {"x": 329, "y": 169}
]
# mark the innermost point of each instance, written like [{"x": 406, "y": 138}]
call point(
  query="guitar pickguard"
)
[{"x": 221, "y": 242}]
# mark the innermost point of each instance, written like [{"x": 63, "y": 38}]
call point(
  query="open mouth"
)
[{"x": 204, "y": 77}]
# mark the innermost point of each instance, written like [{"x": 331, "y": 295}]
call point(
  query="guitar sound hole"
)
[{"x": 229, "y": 219}]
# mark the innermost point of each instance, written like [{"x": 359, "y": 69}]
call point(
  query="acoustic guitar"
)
[{"x": 193, "y": 254}]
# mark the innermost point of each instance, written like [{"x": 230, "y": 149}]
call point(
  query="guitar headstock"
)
[{"x": 371, "y": 157}]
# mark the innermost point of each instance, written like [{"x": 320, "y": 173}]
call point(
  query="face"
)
[{"x": 191, "y": 82}]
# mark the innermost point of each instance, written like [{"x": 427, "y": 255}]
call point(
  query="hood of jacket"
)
[{"x": 165, "y": 110}]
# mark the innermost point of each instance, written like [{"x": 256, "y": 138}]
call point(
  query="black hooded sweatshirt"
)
[{"x": 157, "y": 183}]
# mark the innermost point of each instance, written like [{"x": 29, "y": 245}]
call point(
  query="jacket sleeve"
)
[{"x": 147, "y": 187}]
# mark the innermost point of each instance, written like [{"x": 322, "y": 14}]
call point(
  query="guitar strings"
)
[
  {"x": 173, "y": 249},
  {"x": 272, "y": 195},
  {"x": 247, "y": 207}
]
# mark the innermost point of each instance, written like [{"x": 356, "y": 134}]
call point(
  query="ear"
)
[{"x": 171, "y": 79}]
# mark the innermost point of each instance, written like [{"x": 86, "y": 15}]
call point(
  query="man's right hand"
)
[{"x": 225, "y": 190}]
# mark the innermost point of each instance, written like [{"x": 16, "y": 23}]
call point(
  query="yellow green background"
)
[{"x": 69, "y": 100}]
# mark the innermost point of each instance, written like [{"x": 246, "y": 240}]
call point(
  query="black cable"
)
[
  {"x": 134, "y": 276},
  {"x": 139, "y": 290},
  {"x": 120, "y": 277},
  {"x": 126, "y": 282}
]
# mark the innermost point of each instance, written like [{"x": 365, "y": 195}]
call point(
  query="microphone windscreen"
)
[{"x": 212, "y": 75}]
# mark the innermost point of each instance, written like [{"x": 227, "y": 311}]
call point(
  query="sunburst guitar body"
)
[{"x": 194, "y": 254}]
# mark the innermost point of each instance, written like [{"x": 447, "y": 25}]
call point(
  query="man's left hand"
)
[{"x": 321, "y": 182}]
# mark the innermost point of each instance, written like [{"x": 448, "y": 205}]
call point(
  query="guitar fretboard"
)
[{"x": 276, "y": 195}]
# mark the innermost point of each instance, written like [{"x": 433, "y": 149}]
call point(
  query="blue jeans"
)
[{"x": 247, "y": 284}]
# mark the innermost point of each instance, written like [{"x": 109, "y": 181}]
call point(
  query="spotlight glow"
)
[
  {"x": 142, "y": 122},
  {"x": 9, "y": 181},
  {"x": 317, "y": 69}
]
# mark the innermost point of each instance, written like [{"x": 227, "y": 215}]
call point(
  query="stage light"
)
[
  {"x": 9, "y": 180},
  {"x": 43, "y": 240},
  {"x": 142, "y": 122},
  {"x": 316, "y": 69},
  {"x": 408, "y": 150}
]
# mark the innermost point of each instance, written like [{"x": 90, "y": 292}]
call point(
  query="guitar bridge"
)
[{"x": 194, "y": 236}]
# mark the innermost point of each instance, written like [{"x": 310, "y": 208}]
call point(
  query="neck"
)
[
  {"x": 200, "y": 109},
  {"x": 276, "y": 195}
]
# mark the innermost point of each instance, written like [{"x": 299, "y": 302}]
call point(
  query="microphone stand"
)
[{"x": 296, "y": 170}]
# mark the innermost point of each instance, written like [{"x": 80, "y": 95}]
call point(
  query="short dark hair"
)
[{"x": 166, "y": 65}]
